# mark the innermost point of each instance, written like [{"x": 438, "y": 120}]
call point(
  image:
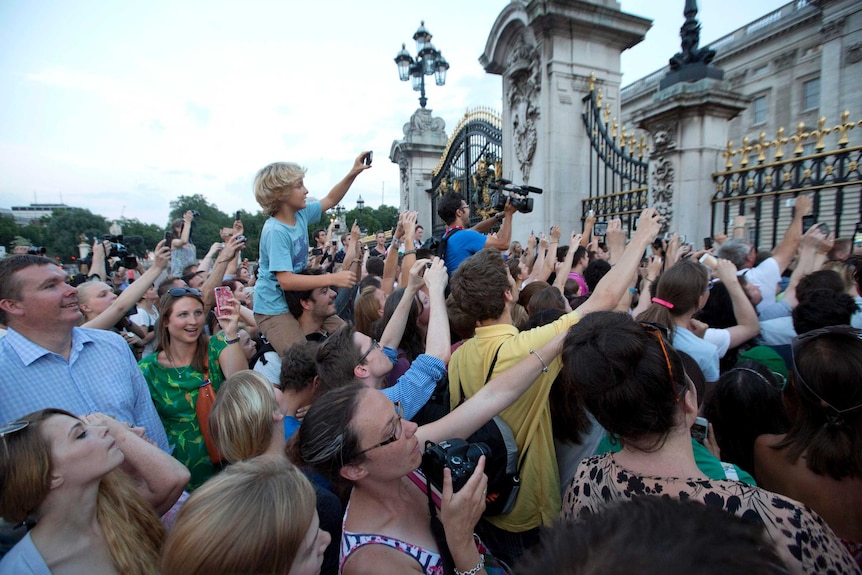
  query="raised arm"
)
[
  {"x": 504, "y": 235},
  {"x": 588, "y": 229},
  {"x": 615, "y": 239},
  {"x": 231, "y": 247},
  {"x": 566, "y": 267},
  {"x": 611, "y": 288},
  {"x": 336, "y": 194},
  {"x": 394, "y": 330},
  {"x": 132, "y": 294},
  {"x": 786, "y": 248},
  {"x": 409, "y": 225},
  {"x": 811, "y": 245},
  {"x": 747, "y": 326},
  {"x": 97, "y": 266},
  {"x": 495, "y": 396},
  {"x": 231, "y": 359},
  {"x": 179, "y": 242},
  {"x": 438, "y": 342},
  {"x": 157, "y": 476}
]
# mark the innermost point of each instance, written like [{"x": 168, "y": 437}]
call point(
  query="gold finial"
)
[
  {"x": 632, "y": 141},
  {"x": 599, "y": 99},
  {"x": 800, "y": 137},
  {"x": 641, "y": 146},
  {"x": 760, "y": 147},
  {"x": 623, "y": 136},
  {"x": 779, "y": 142},
  {"x": 592, "y": 81},
  {"x": 820, "y": 132},
  {"x": 607, "y": 113},
  {"x": 614, "y": 127},
  {"x": 843, "y": 127},
  {"x": 729, "y": 154},
  {"x": 744, "y": 151}
]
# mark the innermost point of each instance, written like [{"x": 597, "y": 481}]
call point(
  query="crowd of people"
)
[{"x": 660, "y": 406}]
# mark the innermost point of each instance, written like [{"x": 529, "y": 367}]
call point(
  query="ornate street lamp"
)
[
  {"x": 360, "y": 205},
  {"x": 429, "y": 61}
]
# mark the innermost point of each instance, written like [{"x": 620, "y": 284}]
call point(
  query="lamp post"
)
[
  {"x": 360, "y": 205},
  {"x": 429, "y": 61}
]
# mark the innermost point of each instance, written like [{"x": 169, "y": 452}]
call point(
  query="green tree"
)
[
  {"x": 252, "y": 226},
  {"x": 151, "y": 234},
  {"x": 8, "y": 230},
  {"x": 206, "y": 227},
  {"x": 63, "y": 231}
]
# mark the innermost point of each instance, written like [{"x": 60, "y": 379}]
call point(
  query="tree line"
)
[{"x": 61, "y": 232}]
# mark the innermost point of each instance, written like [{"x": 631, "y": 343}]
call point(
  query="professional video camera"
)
[
  {"x": 522, "y": 204},
  {"x": 119, "y": 249}
]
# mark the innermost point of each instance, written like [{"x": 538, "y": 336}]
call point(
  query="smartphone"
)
[
  {"x": 223, "y": 295},
  {"x": 169, "y": 237},
  {"x": 682, "y": 239},
  {"x": 824, "y": 228},
  {"x": 708, "y": 243},
  {"x": 238, "y": 216},
  {"x": 700, "y": 429},
  {"x": 591, "y": 213},
  {"x": 857, "y": 235},
  {"x": 807, "y": 222},
  {"x": 335, "y": 242},
  {"x": 600, "y": 228},
  {"x": 316, "y": 251},
  {"x": 368, "y": 158},
  {"x": 790, "y": 203}
]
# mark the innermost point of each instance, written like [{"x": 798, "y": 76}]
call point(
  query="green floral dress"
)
[{"x": 175, "y": 391}]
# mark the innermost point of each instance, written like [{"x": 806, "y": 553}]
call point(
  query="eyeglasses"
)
[
  {"x": 396, "y": 435},
  {"x": 13, "y": 427},
  {"x": 661, "y": 332},
  {"x": 799, "y": 341},
  {"x": 364, "y": 356},
  {"x": 181, "y": 291},
  {"x": 464, "y": 207}
]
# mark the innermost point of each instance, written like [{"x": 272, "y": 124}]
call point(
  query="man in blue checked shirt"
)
[{"x": 47, "y": 361}]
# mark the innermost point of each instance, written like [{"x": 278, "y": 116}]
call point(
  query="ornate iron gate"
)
[
  {"x": 618, "y": 172},
  {"x": 759, "y": 190},
  {"x": 472, "y": 159}
]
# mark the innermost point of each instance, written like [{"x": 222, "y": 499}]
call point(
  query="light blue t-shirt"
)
[
  {"x": 24, "y": 559},
  {"x": 703, "y": 352},
  {"x": 283, "y": 248},
  {"x": 460, "y": 246}
]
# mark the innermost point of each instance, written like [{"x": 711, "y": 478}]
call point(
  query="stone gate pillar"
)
[
  {"x": 417, "y": 155},
  {"x": 545, "y": 51},
  {"x": 688, "y": 125}
]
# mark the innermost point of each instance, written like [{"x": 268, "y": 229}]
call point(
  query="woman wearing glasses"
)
[
  {"x": 819, "y": 461},
  {"x": 680, "y": 293},
  {"x": 185, "y": 359},
  {"x": 68, "y": 476},
  {"x": 637, "y": 389},
  {"x": 353, "y": 435}
]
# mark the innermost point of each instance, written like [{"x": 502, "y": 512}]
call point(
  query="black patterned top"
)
[{"x": 802, "y": 538}]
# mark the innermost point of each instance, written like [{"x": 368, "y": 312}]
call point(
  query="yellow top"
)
[{"x": 530, "y": 417}]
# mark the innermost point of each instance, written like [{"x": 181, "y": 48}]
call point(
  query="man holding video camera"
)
[{"x": 455, "y": 213}]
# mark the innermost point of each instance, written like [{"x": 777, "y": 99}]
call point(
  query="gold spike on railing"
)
[
  {"x": 843, "y": 127},
  {"x": 819, "y": 133},
  {"x": 744, "y": 151},
  {"x": 599, "y": 99},
  {"x": 614, "y": 127},
  {"x": 592, "y": 81},
  {"x": 606, "y": 113},
  {"x": 760, "y": 147},
  {"x": 729, "y": 155},
  {"x": 779, "y": 142},
  {"x": 642, "y": 146},
  {"x": 623, "y": 136},
  {"x": 801, "y": 136}
]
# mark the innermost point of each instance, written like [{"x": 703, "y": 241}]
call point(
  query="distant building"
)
[
  {"x": 798, "y": 63},
  {"x": 25, "y": 214}
]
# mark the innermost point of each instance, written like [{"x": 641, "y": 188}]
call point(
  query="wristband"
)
[
  {"x": 474, "y": 570},
  {"x": 232, "y": 341},
  {"x": 409, "y": 252},
  {"x": 542, "y": 361}
]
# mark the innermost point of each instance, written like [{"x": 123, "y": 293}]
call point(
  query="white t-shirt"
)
[
  {"x": 766, "y": 277},
  {"x": 148, "y": 320},
  {"x": 720, "y": 338}
]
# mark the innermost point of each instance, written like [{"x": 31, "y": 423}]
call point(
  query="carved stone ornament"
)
[
  {"x": 421, "y": 122},
  {"x": 403, "y": 164},
  {"x": 833, "y": 28},
  {"x": 664, "y": 138},
  {"x": 524, "y": 85},
  {"x": 784, "y": 60},
  {"x": 853, "y": 53},
  {"x": 661, "y": 189},
  {"x": 738, "y": 78}
]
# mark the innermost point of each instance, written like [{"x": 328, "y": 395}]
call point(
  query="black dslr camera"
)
[
  {"x": 118, "y": 250},
  {"x": 523, "y": 204},
  {"x": 456, "y": 454}
]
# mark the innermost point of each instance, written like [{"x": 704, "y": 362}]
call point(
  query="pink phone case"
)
[{"x": 223, "y": 295}]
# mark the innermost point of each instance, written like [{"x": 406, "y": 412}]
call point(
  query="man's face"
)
[
  {"x": 381, "y": 238},
  {"x": 320, "y": 238},
  {"x": 464, "y": 213},
  {"x": 376, "y": 362},
  {"x": 197, "y": 280},
  {"x": 417, "y": 236},
  {"x": 44, "y": 301},
  {"x": 322, "y": 302},
  {"x": 119, "y": 277},
  {"x": 295, "y": 196}
]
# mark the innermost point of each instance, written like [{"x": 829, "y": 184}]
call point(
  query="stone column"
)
[
  {"x": 545, "y": 51},
  {"x": 417, "y": 155},
  {"x": 688, "y": 124}
]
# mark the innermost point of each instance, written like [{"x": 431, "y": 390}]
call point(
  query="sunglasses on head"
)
[{"x": 183, "y": 291}]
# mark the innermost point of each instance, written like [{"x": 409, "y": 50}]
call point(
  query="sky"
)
[{"x": 120, "y": 107}]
